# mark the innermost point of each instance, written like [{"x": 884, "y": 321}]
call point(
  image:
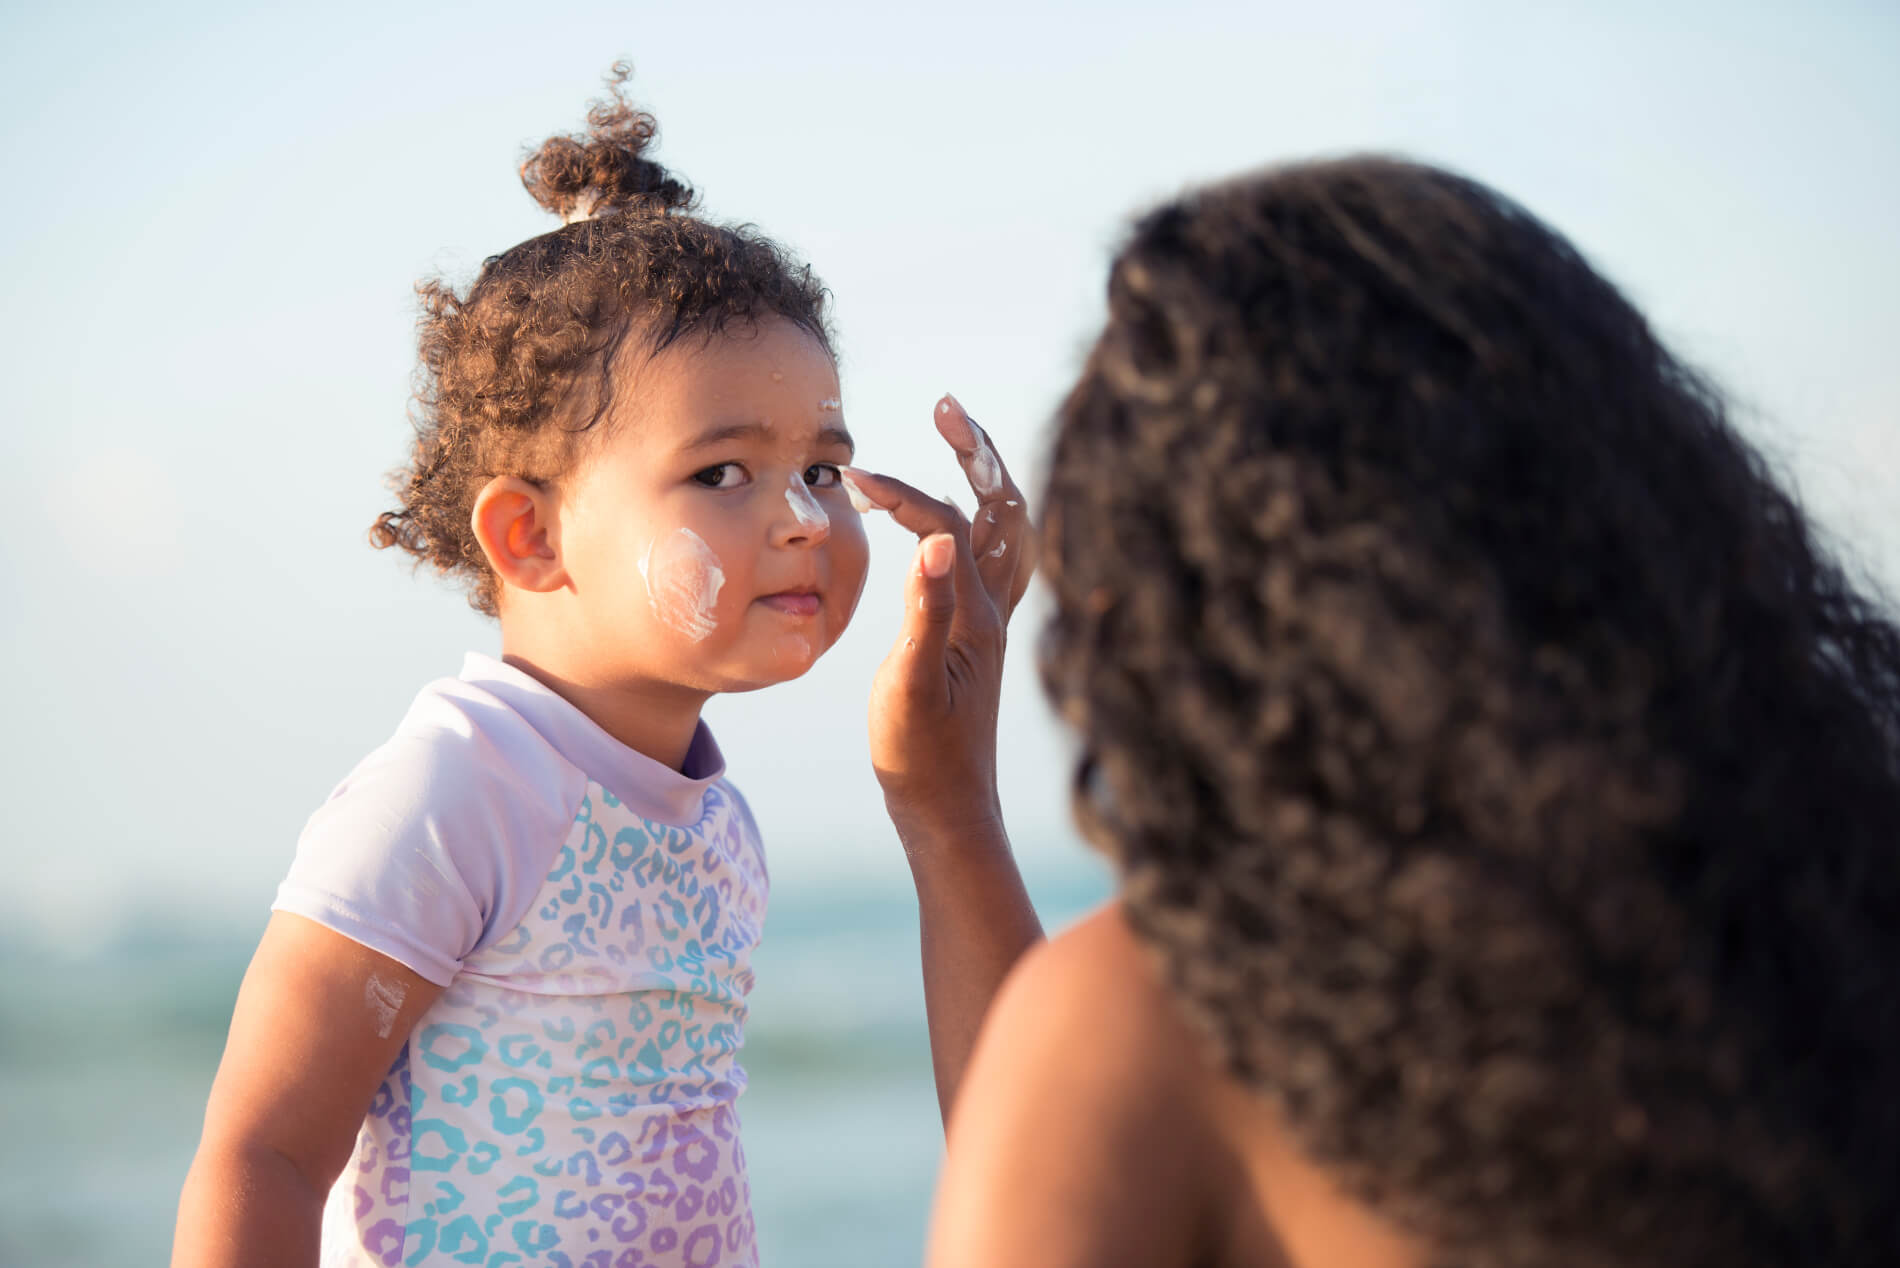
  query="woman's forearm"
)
[
  {"x": 933, "y": 713},
  {"x": 976, "y": 920}
]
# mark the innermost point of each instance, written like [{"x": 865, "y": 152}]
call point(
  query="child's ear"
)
[{"x": 514, "y": 522}]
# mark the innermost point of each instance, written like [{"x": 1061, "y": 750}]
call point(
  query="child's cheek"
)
[
  {"x": 852, "y": 553},
  {"x": 683, "y": 578}
]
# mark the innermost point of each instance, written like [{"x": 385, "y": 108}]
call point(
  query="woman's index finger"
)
[
  {"x": 1000, "y": 530},
  {"x": 909, "y": 506},
  {"x": 982, "y": 465}
]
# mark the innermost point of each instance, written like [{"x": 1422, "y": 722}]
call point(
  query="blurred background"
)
[{"x": 217, "y": 216}]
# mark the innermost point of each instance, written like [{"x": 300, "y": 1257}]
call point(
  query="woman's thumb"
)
[{"x": 932, "y": 606}]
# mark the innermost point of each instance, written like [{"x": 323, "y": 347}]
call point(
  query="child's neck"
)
[{"x": 657, "y": 719}]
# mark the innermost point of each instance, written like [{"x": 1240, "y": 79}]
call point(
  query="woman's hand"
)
[
  {"x": 934, "y": 701},
  {"x": 933, "y": 736}
]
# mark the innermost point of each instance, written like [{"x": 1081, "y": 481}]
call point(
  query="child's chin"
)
[{"x": 782, "y": 664}]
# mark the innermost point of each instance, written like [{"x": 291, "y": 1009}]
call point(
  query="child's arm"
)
[
  {"x": 319, "y": 1021},
  {"x": 933, "y": 738}
]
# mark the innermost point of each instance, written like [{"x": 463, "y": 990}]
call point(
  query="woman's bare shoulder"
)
[
  {"x": 1097, "y": 974},
  {"x": 1168, "y": 1159},
  {"x": 1082, "y": 1129},
  {"x": 1097, "y": 955}
]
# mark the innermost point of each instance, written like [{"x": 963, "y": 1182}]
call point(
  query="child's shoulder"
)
[
  {"x": 465, "y": 780},
  {"x": 436, "y": 841},
  {"x": 461, "y": 749}
]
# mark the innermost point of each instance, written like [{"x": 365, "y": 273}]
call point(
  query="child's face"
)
[{"x": 708, "y": 541}]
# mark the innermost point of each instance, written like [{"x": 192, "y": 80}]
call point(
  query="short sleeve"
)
[{"x": 437, "y": 842}]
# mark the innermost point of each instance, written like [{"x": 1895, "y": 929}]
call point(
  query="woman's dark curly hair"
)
[
  {"x": 517, "y": 371},
  {"x": 1506, "y": 779}
]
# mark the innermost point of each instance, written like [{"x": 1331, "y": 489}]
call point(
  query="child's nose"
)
[{"x": 804, "y": 522}]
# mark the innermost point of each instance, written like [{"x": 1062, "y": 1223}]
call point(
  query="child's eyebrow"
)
[{"x": 832, "y": 435}]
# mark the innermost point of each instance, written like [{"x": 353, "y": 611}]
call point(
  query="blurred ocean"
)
[{"x": 106, "y": 1058}]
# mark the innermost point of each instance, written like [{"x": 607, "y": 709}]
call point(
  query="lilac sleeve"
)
[{"x": 437, "y": 842}]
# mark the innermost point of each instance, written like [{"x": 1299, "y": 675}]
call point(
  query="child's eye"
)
[
  {"x": 823, "y": 475},
  {"x": 727, "y": 475}
]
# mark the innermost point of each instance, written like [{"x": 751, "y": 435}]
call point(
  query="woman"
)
[{"x": 1504, "y": 785}]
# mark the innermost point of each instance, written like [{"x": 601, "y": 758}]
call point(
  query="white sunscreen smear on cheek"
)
[
  {"x": 384, "y": 1000},
  {"x": 683, "y": 579},
  {"x": 805, "y": 508}
]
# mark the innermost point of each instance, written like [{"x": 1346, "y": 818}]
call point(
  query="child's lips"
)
[{"x": 794, "y": 602}]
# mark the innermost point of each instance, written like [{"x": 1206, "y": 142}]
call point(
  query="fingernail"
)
[
  {"x": 964, "y": 434},
  {"x": 861, "y": 499},
  {"x": 940, "y": 553}
]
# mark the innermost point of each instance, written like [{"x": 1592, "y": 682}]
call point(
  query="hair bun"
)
[{"x": 605, "y": 169}]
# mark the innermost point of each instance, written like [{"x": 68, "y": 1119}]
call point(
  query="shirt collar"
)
[{"x": 651, "y": 788}]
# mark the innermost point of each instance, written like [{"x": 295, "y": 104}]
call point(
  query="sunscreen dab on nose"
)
[
  {"x": 683, "y": 579},
  {"x": 805, "y": 508}
]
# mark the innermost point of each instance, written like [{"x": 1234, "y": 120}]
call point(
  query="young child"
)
[{"x": 519, "y": 932}]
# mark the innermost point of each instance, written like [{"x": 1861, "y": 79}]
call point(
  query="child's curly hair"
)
[
  {"x": 517, "y": 370},
  {"x": 1507, "y": 781}
]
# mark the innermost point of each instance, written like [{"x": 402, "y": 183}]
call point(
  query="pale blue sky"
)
[{"x": 217, "y": 212}]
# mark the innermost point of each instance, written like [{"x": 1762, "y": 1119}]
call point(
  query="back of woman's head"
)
[
  {"x": 517, "y": 372},
  {"x": 1508, "y": 782}
]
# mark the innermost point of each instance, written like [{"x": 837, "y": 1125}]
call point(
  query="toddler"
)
[{"x": 503, "y": 992}]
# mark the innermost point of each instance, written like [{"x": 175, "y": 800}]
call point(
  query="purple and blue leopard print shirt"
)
[{"x": 570, "y": 1098}]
